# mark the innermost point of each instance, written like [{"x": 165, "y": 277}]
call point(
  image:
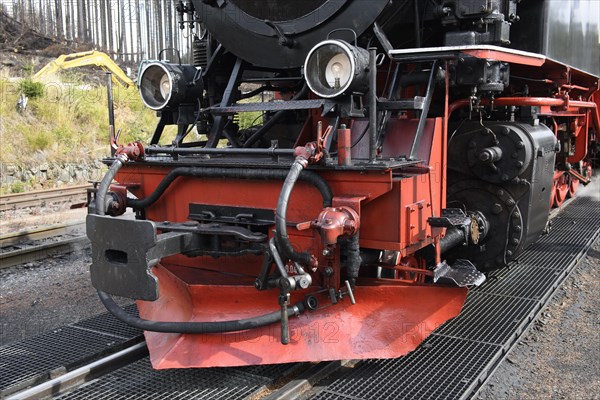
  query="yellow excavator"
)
[{"x": 75, "y": 60}]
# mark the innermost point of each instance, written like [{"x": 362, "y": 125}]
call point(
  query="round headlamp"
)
[
  {"x": 163, "y": 84},
  {"x": 335, "y": 67}
]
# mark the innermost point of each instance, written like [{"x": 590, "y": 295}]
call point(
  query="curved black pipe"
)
[
  {"x": 178, "y": 327},
  {"x": 281, "y": 236},
  {"x": 195, "y": 327},
  {"x": 232, "y": 173},
  {"x": 100, "y": 206}
]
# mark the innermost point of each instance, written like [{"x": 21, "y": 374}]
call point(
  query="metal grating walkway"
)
[
  {"x": 454, "y": 362},
  {"x": 39, "y": 358},
  {"x": 140, "y": 381}
]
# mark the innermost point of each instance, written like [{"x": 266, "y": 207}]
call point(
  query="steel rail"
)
[
  {"x": 83, "y": 374},
  {"x": 40, "y": 233},
  {"x": 35, "y": 253},
  {"x": 72, "y": 194}
]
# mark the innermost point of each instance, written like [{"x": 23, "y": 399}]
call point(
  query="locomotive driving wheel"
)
[
  {"x": 573, "y": 186},
  {"x": 553, "y": 195},
  {"x": 561, "y": 190}
]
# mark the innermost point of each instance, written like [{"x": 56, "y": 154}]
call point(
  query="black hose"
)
[
  {"x": 195, "y": 327},
  {"x": 100, "y": 207},
  {"x": 351, "y": 250},
  {"x": 283, "y": 240},
  {"x": 232, "y": 173},
  {"x": 179, "y": 327}
]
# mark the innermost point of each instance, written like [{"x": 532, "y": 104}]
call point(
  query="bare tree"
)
[
  {"x": 42, "y": 20},
  {"x": 159, "y": 18},
  {"x": 80, "y": 20},
  {"x": 149, "y": 30},
  {"x": 130, "y": 15},
  {"x": 58, "y": 7},
  {"x": 110, "y": 31}
]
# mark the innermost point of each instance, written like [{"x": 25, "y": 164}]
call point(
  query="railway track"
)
[
  {"x": 453, "y": 363},
  {"x": 74, "y": 196},
  {"x": 37, "y": 244}
]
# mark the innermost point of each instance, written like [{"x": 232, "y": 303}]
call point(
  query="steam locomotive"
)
[{"x": 398, "y": 151}]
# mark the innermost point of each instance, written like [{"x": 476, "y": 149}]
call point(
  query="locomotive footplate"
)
[{"x": 124, "y": 252}]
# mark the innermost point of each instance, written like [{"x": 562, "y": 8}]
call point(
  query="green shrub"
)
[
  {"x": 250, "y": 119},
  {"x": 28, "y": 69},
  {"x": 38, "y": 140},
  {"x": 17, "y": 187},
  {"x": 31, "y": 89}
]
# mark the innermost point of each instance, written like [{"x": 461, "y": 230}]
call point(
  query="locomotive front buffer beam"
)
[{"x": 124, "y": 252}]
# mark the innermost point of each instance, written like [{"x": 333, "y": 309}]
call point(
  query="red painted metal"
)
[
  {"x": 333, "y": 223},
  {"x": 530, "y": 60},
  {"x": 573, "y": 186},
  {"x": 388, "y": 320},
  {"x": 344, "y": 146},
  {"x": 561, "y": 188},
  {"x": 562, "y": 103}
]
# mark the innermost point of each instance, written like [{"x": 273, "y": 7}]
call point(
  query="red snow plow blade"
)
[{"x": 388, "y": 320}]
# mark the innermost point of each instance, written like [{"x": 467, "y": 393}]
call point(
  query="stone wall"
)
[{"x": 17, "y": 178}]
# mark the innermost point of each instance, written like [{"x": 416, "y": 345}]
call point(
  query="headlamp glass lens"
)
[
  {"x": 329, "y": 69},
  {"x": 165, "y": 86},
  {"x": 337, "y": 72},
  {"x": 156, "y": 86}
]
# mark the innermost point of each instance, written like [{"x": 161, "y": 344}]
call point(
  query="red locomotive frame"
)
[{"x": 389, "y": 204}]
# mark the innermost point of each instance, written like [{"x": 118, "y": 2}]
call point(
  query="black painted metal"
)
[
  {"x": 37, "y": 359},
  {"x": 275, "y": 106},
  {"x": 455, "y": 361},
  {"x": 107, "y": 324}
]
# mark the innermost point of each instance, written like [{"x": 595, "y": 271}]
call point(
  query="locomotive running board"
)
[{"x": 388, "y": 320}]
